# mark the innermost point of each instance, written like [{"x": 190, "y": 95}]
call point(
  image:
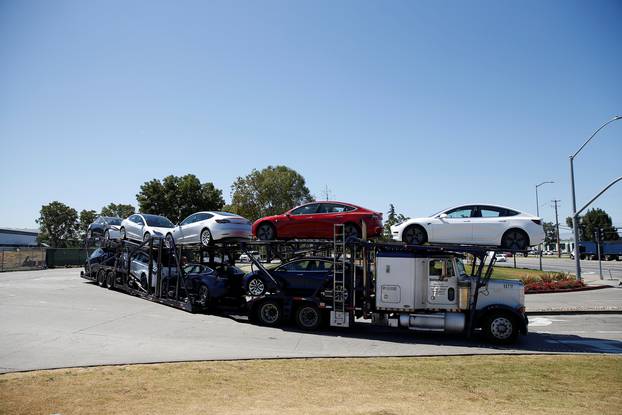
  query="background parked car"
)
[
  {"x": 475, "y": 224},
  {"x": 316, "y": 220},
  {"x": 104, "y": 226},
  {"x": 141, "y": 226},
  {"x": 206, "y": 227}
]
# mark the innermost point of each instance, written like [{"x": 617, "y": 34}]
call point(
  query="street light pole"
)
[
  {"x": 575, "y": 221},
  {"x": 538, "y": 215}
]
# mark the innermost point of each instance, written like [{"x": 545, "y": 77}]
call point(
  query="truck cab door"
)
[{"x": 442, "y": 291}]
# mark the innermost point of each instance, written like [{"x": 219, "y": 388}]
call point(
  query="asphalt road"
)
[
  {"x": 53, "y": 318},
  {"x": 588, "y": 267}
]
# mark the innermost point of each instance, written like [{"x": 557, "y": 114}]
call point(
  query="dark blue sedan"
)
[
  {"x": 210, "y": 285},
  {"x": 302, "y": 277}
]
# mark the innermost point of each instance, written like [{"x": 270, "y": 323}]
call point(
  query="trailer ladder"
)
[{"x": 338, "y": 315}]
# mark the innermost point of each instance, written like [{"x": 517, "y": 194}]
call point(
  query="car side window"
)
[
  {"x": 325, "y": 265},
  {"x": 298, "y": 266},
  {"x": 489, "y": 212},
  {"x": 202, "y": 216},
  {"x": 459, "y": 213},
  {"x": 334, "y": 208},
  {"x": 188, "y": 220},
  {"x": 305, "y": 210}
]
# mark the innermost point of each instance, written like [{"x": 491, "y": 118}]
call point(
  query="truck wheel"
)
[
  {"x": 101, "y": 277},
  {"x": 269, "y": 313},
  {"x": 110, "y": 280},
  {"x": 501, "y": 328},
  {"x": 308, "y": 317}
]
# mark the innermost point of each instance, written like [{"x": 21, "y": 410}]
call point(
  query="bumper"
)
[{"x": 232, "y": 231}]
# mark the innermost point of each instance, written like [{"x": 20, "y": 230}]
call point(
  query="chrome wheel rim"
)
[
  {"x": 269, "y": 313},
  {"x": 501, "y": 328},
  {"x": 308, "y": 316},
  {"x": 256, "y": 286},
  {"x": 206, "y": 237}
]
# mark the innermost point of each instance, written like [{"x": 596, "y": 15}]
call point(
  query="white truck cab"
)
[{"x": 436, "y": 294}]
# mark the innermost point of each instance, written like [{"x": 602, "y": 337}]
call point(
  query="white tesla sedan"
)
[
  {"x": 142, "y": 226},
  {"x": 206, "y": 227},
  {"x": 474, "y": 224}
]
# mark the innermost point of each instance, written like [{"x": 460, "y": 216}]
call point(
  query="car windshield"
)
[
  {"x": 113, "y": 221},
  {"x": 158, "y": 221}
]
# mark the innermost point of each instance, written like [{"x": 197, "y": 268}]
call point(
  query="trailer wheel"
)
[
  {"x": 308, "y": 317},
  {"x": 203, "y": 296},
  {"x": 414, "y": 235},
  {"x": 269, "y": 313},
  {"x": 501, "y": 328},
  {"x": 110, "y": 280},
  {"x": 101, "y": 277}
]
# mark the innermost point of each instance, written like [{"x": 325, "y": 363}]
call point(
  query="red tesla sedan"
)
[{"x": 316, "y": 220}]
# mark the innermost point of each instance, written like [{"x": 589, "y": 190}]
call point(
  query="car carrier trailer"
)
[{"x": 416, "y": 287}]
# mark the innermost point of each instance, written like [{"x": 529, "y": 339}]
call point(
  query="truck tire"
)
[
  {"x": 308, "y": 317},
  {"x": 269, "y": 313},
  {"x": 501, "y": 328},
  {"x": 109, "y": 283}
]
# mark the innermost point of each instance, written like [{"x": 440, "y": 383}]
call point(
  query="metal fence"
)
[
  {"x": 22, "y": 258},
  {"x": 66, "y": 257}
]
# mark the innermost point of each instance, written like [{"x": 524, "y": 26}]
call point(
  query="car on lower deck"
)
[
  {"x": 475, "y": 224},
  {"x": 206, "y": 227},
  {"x": 303, "y": 277},
  {"x": 210, "y": 284},
  {"x": 98, "y": 258},
  {"x": 317, "y": 220}
]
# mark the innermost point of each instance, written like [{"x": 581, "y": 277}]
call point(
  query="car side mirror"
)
[{"x": 442, "y": 216}]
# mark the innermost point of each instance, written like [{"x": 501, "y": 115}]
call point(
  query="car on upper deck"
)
[{"x": 317, "y": 220}]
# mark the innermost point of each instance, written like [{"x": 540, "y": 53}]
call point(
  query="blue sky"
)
[{"x": 424, "y": 104}]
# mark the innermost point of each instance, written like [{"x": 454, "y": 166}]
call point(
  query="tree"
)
[
  {"x": 122, "y": 211},
  {"x": 393, "y": 218},
  {"x": 592, "y": 221},
  {"x": 86, "y": 218},
  {"x": 58, "y": 224},
  {"x": 178, "y": 197},
  {"x": 270, "y": 191}
]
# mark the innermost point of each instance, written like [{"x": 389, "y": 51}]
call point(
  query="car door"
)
[
  {"x": 328, "y": 214},
  {"x": 489, "y": 223},
  {"x": 193, "y": 230},
  {"x": 317, "y": 274},
  {"x": 455, "y": 227},
  {"x": 299, "y": 223},
  {"x": 140, "y": 227},
  {"x": 292, "y": 275},
  {"x": 180, "y": 231}
]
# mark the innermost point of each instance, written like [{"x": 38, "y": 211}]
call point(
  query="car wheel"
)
[
  {"x": 101, "y": 277},
  {"x": 144, "y": 282},
  {"x": 206, "y": 237},
  {"x": 256, "y": 287},
  {"x": 203, "y": 296},
  {"x": 308, "y": 317},
  {"x": 501, "y": 328},
  {"x": 266, "y": 232},
  {"x": 110, "y": 280},
  {"x": 351, "y": 231},
  {"x": 414, "y": 235},
  {"x": 107, "y": 235},
  {"x": 89, "y": 234},
  {"x": 123, "y": 233},
  {"x": 269, "y": 313},
  {"x": 146, "y": 236},
  {"x": 515, "y": 240}
]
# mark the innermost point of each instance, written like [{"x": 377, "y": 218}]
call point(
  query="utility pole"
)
[
  {"x": 559, "y": 253},
  {"x": 538, "y": 214}
]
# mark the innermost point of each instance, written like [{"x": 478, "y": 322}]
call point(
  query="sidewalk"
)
[{"x": 605, "y": 300}]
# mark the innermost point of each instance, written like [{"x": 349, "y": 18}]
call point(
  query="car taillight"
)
[
  {"x": 223, "y": 220},
  {"x": 537, "y": 221}
]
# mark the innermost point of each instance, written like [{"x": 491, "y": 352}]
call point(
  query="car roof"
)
[
  {"x": 480, "y": 204},
  {"x": 330, "y": 201}
]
